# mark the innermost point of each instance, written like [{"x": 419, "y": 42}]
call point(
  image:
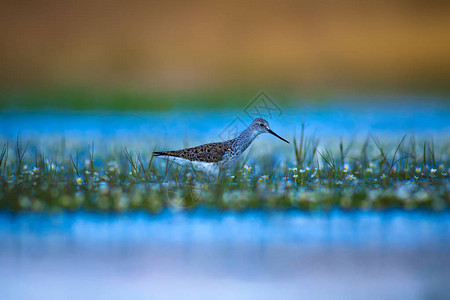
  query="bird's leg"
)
[{"x": 219, "y": 173}]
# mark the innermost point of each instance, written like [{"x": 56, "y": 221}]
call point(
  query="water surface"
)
[{"x": 206, "y": 254}]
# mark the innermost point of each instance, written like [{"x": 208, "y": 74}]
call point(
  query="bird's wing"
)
[{"x": 213, "y": 152}]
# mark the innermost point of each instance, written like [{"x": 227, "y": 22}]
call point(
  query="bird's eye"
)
[{"x": 261, "y": 124}]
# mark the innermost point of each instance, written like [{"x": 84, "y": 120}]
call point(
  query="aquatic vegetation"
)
[{"x": 360, "y": 175}]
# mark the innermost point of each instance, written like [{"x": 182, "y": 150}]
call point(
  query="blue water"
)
[
  {"x": 346, "y": 119},
  {"x": 205, "y": 254},
  {"x": 390, "y": 229}
]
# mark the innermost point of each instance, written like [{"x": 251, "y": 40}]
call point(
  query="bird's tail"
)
[
  {"x": 160, "y": 153},
  {"x": 177, "y": 154}
]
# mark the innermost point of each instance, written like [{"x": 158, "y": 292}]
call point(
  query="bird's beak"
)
[{"x": 273, "y": 133}]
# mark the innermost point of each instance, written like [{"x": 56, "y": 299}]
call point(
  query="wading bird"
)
[{"x": 215, "y": 157}]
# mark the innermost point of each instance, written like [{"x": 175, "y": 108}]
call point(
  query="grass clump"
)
[{"x": 354, "y": 175}]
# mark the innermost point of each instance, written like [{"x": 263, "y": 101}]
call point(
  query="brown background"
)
[{"x": 168, "y": 45}]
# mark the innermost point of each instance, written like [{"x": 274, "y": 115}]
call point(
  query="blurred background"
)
[
  {"x": 146, "y": 75},
  {"x": 160, "y": 55}
]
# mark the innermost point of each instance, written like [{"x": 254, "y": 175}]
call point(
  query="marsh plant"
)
[{"x": 367, "y": 174}]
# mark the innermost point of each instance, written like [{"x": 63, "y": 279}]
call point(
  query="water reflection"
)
[{"x": 250, "y": 255}]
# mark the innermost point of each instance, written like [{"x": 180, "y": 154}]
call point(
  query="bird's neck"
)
[{"x": 246, "y": 138}]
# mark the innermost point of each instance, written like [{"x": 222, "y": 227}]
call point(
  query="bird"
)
[{"x": 214, "y": 157}]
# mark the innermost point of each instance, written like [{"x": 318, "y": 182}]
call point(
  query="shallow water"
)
[
  {"x": 346, "y": 119},
  {"x": 204, "y": 254},
  {"x": 221, "y": 255}
]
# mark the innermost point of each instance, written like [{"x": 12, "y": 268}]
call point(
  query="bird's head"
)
[{"x": 260, "y": 125}]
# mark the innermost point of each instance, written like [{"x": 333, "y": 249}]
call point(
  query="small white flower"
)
[
  {"x": 264, "y": 177},
  {"x": 52, "y": 167},
  {"x": 113, "y": 166},
  {"x": 369, "y": 170},
  {"x": 232, "y": 176},
  {"x": 441, "y": 167},
  {"x": 307, "y": 169},
  {"x": 383, "y": 176},
  {"x": 295, "y": 175},
  {"x": 25, "y": 167},
  {"x": 302, "y": 171},
  {"x": 433, "y": 171},
  {"x": 345, "y": 170},
  {"x": 79, "y": 180},
  {"x": 418, "y": 170},
  {"x": 36, "y": 170},
  {"x": 351, "y": 177}
]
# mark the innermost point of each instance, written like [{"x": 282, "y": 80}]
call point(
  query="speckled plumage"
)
[{"x": 222, "y": 154}]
